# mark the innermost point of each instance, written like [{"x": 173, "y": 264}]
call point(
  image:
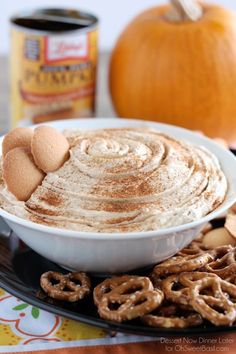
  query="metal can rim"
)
[{"x": 94, "y": 24}]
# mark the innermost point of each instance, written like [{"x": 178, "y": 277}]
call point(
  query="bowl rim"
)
[{"x": 134, "y": 234}]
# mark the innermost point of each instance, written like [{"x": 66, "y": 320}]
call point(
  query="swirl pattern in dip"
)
[{"x": 122, "y": 180}]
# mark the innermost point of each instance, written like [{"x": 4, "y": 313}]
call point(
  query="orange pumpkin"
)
[{"x": 179, "y": 68}]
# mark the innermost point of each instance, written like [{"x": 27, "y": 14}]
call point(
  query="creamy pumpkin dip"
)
[{"x": 121, "y": 180}]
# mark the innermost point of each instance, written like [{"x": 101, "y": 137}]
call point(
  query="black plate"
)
[{"x": 20, "y": 270}]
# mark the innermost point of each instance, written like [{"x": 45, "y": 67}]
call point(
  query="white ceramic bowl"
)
[{"x": 113, "y": 253}]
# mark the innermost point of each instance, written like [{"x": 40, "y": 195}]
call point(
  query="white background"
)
[{"x": 113, "y": 14}]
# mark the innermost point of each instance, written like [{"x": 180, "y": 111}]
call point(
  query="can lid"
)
[{"x": 54, "y": 20}]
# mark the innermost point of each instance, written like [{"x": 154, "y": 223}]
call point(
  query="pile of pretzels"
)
[
  {"x": 196, "y": 285},
  {"x": 193, "y": 286}
]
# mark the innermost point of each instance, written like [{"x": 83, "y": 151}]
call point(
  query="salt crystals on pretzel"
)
[{"x": 67, "y": 287}]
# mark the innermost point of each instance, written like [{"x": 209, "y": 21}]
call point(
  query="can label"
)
[{"x": 52, "y": 76}]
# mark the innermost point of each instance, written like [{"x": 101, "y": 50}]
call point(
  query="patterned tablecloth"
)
[
  {"x": 21, "y": 323},
  {"x": 27, "y": 329}
]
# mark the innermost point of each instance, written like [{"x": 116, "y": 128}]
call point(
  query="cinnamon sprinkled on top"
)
[{"x": 120, "y": 180}]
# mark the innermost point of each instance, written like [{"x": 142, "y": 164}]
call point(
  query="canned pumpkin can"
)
[{"x": 53, "y": 65}]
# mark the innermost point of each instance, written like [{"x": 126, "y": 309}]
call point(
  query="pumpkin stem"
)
[{"x": 184, "y": 10}]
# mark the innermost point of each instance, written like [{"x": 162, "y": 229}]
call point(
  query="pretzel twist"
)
[
  {"x": 108, "y": 284},
  {"x": 70, "y": 287},
  {"x": 224, "y": 264},
  {"x": 179, "y": 264},
  {"x": 173, "y": 322},
  {"x": 214, "y": 299},
  {"x": 128, "y": 300},
  {"x": 177, "y": 296}
]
